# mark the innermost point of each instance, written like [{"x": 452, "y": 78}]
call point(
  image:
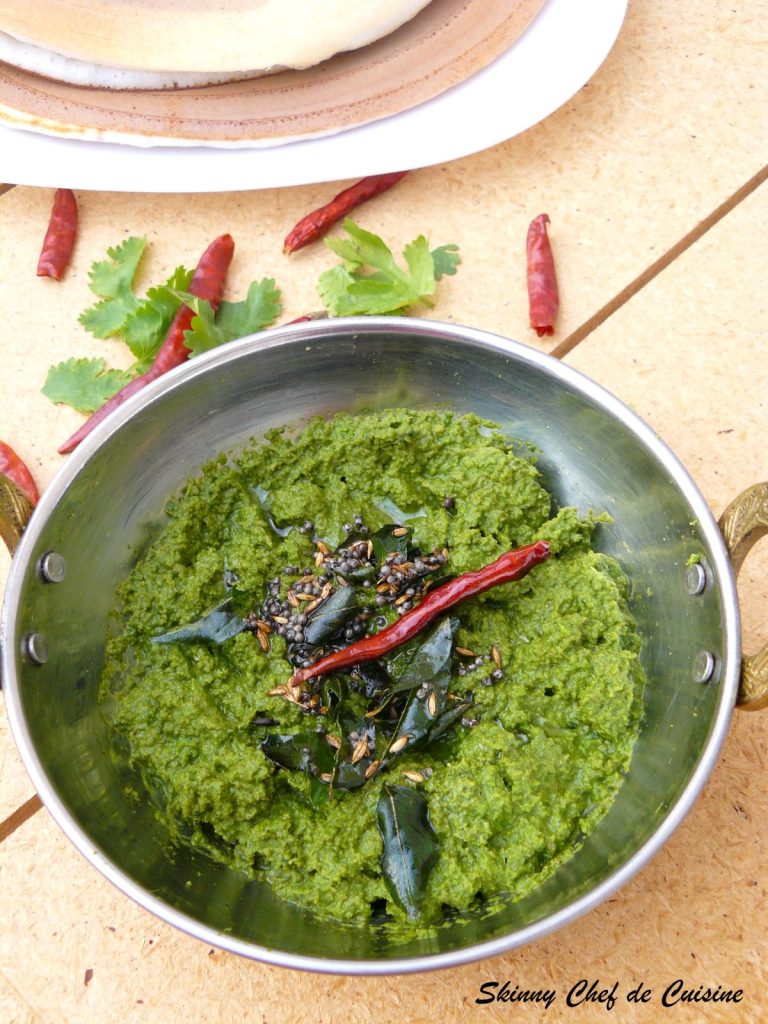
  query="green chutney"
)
[{"x": 512, "y": 790}]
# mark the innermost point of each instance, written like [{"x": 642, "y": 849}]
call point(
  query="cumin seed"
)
[{"x": 361, "y": 749}]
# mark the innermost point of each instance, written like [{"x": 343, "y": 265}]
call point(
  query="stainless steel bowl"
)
[{"x": 107, "y": 503}]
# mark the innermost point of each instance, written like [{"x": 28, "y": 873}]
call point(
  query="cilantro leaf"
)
[
  {"x": 84, "y": 384},
  {"x": 369, "y": 281},
  {"x": 446, "y": 259},
  {"x": 112, "y": 280},
  {"x": 421, "y": 265},
  {"x": 363, "y": 248},
  {"x": 145, "y": 329},
  {"x": 258, "y": 310}
]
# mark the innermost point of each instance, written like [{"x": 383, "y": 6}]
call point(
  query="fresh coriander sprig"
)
[
  {"x": 260, "y": 308},
  {"x": 84, "y": 384},
  {"x": 370, "y": 282},
  {"x": 143, "y": 322}
]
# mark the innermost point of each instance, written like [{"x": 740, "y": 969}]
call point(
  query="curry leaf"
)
[
  {"x": 424, "y": 659},
  {"x": 386, "y": 540},
  {"x": 333, "y": 697},
  {"x": 375, "y": 678},
  {"x": 307, "y": 752},
  {"x": 426, "y": 704},
  {"x": 443, "y": 723},
  {"x": 410, "y": 844},
  {"x": 218, "y": 625},
  {"x": 331, "y": 615},
  {"x": 351, "y": 776}
]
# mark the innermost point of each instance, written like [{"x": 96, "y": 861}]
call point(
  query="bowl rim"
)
[{"x": 303, "y": 333}]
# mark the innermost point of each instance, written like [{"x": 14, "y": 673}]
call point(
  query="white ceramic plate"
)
[{"x": 551, "y": 61}]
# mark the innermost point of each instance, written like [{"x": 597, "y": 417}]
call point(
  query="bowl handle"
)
[
  {"x": 15, "y": 510},
  {"x": 742, "y": 524}
]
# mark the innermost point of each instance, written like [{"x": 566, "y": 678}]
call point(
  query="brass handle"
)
[
  {"x": 15, "y": 510},
  {"x": 742, "y": 524}
]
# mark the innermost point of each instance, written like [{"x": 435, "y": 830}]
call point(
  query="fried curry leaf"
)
[
  {"x": 426, "y": 704},
  {"x": 331, "y": 615},
  {"x": 351, "y": 776},
  {"x": 333, "y": 697},
  {"x": 443, "y": 722},
  {"x": 308, "y": 752},
  {"x": 374, "y": 677},
  {"x": 388, "y": 539},
  {"x": 218, "y": 625},
  {"x": 421, "y": 661},
  {"x": 410, "y": 847},
  {"x": 417, "y": 664}
]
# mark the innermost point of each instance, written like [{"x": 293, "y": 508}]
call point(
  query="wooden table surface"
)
[{"x": 654, "y": 178}]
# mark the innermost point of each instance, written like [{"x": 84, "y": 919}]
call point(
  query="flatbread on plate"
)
[{"x": 203, "y": 35}]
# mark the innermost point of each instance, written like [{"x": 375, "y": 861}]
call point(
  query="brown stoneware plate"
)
[{"x": 446, "y": 43}]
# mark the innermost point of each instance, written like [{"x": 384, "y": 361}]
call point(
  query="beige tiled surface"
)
[
  {"x": 690, "y": 354},
  {"x": 670, "y": 128},
  {"x": 13, "y": 1010},
  {"x": 15, "y": 786}
]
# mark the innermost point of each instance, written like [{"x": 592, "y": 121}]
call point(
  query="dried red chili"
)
[
  {"x": 207, "y": 283},
  {"x": 543, "y": 297},
  {"x": 317, "y": 223},
  {"x": 306, "y": 318},
  {"x": 512, "y": 565},
  {"x": 12, "y": 467},
  {"x": 60, "y": 237}
]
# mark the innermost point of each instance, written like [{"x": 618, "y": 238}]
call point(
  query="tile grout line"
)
[
  {"x": 655, "y": 268},
  {"x": 9, "y": 825},
  {"x": 21, "y": 998}
]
